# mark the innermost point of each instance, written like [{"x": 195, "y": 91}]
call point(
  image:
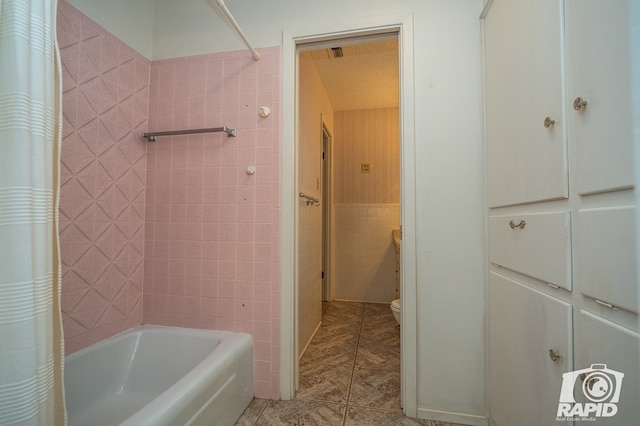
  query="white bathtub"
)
[{"x": 154, "y": 375}]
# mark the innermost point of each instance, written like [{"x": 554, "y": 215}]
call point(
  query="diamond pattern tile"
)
[
  {"x": 97, "y": 95},
  {"x": 89, "y": 66},
  {"x": 74, "y": 281},
  {"x": 88, "y": 135},
  {"x": 78, "y": 164},
  {"x": 103, "y": 172},
  {"x": 109, "y": 122},
  {"x": 72, "y": 328},
  {"x": 108, "y": 53},
  {"x": 84, "y": 112},
  {"x": 68, "y": 25},
  {"x": 125, "y": 79},
  {"x": 111, "y": 81}
]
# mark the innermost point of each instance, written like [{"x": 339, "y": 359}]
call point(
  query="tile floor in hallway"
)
[{"x": 349, "y": 374}]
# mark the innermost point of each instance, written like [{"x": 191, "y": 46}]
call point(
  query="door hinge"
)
[{"x": 323, "y": 275}]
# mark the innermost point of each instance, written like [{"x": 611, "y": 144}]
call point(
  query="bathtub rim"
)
[{"x": 230, "y": 347}]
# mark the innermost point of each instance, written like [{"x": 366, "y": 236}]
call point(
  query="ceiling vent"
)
[{"x": 336, "y": 52}]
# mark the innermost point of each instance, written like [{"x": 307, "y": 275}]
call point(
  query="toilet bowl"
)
[{"x": 395, "y": 309}]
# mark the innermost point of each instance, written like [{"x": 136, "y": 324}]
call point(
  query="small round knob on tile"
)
[
  {"x": 264, "y": 111},
  {"x": 251, "y": 170}
]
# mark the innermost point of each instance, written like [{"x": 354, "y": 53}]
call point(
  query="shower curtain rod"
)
[
  {"x": 254, "y": 53},
  {"x": 151, "y": 136}
]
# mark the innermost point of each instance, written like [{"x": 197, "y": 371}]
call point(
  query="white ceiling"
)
[{"x": 365, "y": 77}]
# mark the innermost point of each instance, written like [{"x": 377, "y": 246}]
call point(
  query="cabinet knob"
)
[
  {"x": 513, "y": 225},
  {"x": 548, "y": 122},
  {"x": 579, "y": 103},
  {"x": 554, "y": 355}
]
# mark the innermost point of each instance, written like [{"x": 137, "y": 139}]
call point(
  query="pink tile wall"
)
[
  {"x": 212, "y": 230},
  {"x": 102, "y": 196}
]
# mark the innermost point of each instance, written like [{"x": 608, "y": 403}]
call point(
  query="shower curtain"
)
[{"x": 31, "y": 343}]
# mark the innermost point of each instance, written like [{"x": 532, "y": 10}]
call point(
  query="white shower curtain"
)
[{"x": 31, "y": 342}]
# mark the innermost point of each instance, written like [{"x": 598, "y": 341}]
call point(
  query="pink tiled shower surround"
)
[
  {"x": 174, "y": 232},
  {"x": 103, "y": 172}
]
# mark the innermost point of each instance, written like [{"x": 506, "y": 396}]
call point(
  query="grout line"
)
[
  {"x": 264, "y": 407},
  {"x": 347, "y": 403},
  {"x": 353, "y": 369}
]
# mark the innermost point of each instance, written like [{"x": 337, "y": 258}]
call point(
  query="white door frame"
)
[
  {"x": 327, "y": 203},
  {"x": 320, "y": 31}
]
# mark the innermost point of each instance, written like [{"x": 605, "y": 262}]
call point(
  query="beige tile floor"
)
[{"x": 349, "y": 374}]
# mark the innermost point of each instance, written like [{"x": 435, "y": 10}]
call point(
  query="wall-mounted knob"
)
[
  {"x": 579, "y": 103},
  {"x": 548, "y": 122},
  {"x": 264, "y": 111}
]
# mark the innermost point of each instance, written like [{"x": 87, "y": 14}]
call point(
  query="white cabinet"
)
[
  {"x": 598, "y": 61},
  {"x": 561, "y": 201},
  {"x": 525, "y": 325},
  {"x": 526, "y": 161}
]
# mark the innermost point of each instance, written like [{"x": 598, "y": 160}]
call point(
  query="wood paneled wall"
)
[{"x": 368, "y": 136}]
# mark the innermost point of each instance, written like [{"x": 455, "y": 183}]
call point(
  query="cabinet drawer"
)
[
  {"x": 537, "y": 245},
  {"x": 608, "y": 256}
]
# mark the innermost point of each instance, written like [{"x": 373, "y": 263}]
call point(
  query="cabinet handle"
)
[
  {"x": 548, "y": 122},
  {"x": 554, "y": 355},
  {"x": 608, "y": 305},
  {"x": 579, "y": 103},
  {"x": 513, "y": 225}
]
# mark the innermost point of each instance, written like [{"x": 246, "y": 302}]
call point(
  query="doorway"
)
[
  {"x": 290, "y": 262},
  {"x": 350, "y": 87}
]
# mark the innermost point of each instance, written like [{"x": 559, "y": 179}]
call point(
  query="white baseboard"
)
[{"x": 450, "y": 417}]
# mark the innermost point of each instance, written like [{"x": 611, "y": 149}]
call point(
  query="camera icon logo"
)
[
  {"x": 598, "y": 387},
  {"x": 599, "y": 384}
]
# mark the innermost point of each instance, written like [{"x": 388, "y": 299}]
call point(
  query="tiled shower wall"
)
[
  {"x": 102, "y": 196},
  {"x": 212, "y": 229},
  {"x": 209, "y": 258}
]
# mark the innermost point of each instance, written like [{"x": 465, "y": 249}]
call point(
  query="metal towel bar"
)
[{"x": 151, "y": 136}]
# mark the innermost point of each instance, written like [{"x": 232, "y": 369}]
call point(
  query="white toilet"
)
[
  {"x": 395, "y": 309},
  {"x": 396, "y": 236}
]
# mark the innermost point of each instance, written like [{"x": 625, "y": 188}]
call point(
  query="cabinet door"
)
[
  {"x": 526, "y": 161},
  {"x": 524, "y": 325},
  {"x": 603, "y": 342},
  {"x": 599, "y": 63},
  {"x": 608, "y": 257}
]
